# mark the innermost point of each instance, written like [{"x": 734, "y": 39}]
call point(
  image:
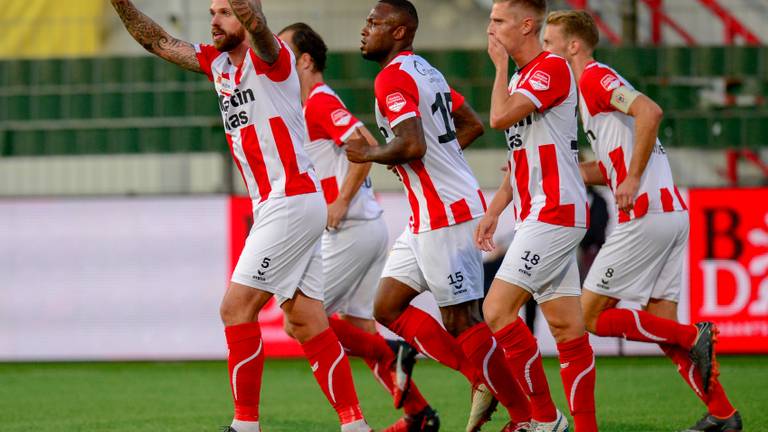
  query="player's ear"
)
[
  {"x": 306, "y": 62},
  {"x": 400, "y": 32},
  {"x": 529, "y": 25},
  {"x": 574, "y": 46}
]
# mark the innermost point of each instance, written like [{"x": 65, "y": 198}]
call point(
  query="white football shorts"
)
[
  {"x": 542, "y": 260},
  {"x": 642, "y": 259},
  {"x": 282, "y": 251},
  {"x": 353, "y": 258},
  {"x": 444, "y": 261}
]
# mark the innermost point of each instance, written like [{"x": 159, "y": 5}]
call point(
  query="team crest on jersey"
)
[
  {"x": 341, "y": 117},
  {"x": 224, "y": 85},
  {"x": 539, "y": 81},
  {"x": 395, "y": 102},
  {"x": 610, "y": 82}
]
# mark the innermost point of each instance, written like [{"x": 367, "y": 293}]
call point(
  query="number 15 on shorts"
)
[{"x": 456, "y": 281}]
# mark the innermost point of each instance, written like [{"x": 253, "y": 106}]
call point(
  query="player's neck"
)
[
  {"x": 527, "y": 52},
  {"x": 579, "y": 62},
  {"x": 308, "y": 82},
  {"x": 393, "y": 54},
  {"x": 237, "y": 55}
]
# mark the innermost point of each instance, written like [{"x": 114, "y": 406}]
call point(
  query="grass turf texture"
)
[{"x": 633, "y": 394}]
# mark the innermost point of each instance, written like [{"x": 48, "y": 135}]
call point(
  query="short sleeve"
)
[
  {"x": 206, "y": 54},
  {"x": 396, "y": 95},
  {"x": 548, "y": 84},
  {"x": 328, "y": 118},
  {"x": 457, "y": 100},
  {"x": 278, "y": 71},
  {"x": 597, "y": 85}
]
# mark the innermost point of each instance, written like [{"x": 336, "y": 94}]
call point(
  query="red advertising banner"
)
[
  {"x": 729, "y": 265},
  {"x": 276, "y": 342}
]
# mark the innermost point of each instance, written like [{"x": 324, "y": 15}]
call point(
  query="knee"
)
[
  {"x": 590, "y": 321},
  {"x": 458, "y": 319},
  {"x": 385, "y": 314},
  {"x": 232, "y": 313},
  {"x": 564, "y": 330},
  {"x": 241, "y": 304},
  {"x": 559, "y": 331},
  {"x": 293, "y": 327},
  {"x": 497, "y": 317},
  {"x": 591, "y": 312},
  {"x": 289, "y": 330},
  {"x": 455, "y": 325},
  {"x": 366, "y": 325},
  {"x": 301, "y": 329}
]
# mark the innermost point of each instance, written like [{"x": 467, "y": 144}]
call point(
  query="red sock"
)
[
  {"x": 422, "y": 331},
  {"x": 378, "y": 356},
  {"x": 331, "y": 368},
  {"x": 716, "y": 401},
  {"x": 524, "y": 359},
  {"x": 414, "y": 403},
  {"x": 246, "y": 364},
  {"x": 359, "y": 343},
  {"x": 644, "y": 327},
  {"x": 483, "y": 351},
  {"x": 577, "y": 370}
]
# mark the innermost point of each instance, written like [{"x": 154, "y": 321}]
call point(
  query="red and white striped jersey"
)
[
  {"x": 329, "y": 125},
  {"x": 261, "y": 108},
  {"x": 612, "y": 136},
  {"x": 441, "y": 189},
  {"x": 543, "y": 147}
]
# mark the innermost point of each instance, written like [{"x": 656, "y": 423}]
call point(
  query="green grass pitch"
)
[{"x": 633, "y": 394}]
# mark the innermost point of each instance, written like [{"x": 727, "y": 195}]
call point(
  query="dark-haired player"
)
[
  {"x": 354, "y": 245},
  {"x": 426, "y": 125}
]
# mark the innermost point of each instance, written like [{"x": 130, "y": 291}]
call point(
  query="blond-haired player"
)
[
  {"x": 642, "y": 259},
  {"x": 537, "y": 108}
]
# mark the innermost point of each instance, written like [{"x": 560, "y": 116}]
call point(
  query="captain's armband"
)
[{"x": 622, "y": 98}]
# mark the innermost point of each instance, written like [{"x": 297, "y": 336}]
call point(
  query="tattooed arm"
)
[
  {"x": 154, "y": 39},
  {"x": 252, "y": 17}
]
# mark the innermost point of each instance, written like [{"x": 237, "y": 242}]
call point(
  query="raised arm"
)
[
  {"x": 469, "y": 127},
  {"x": 263, "y": 42},
  {"x": 408, "y": 144},
  {"x": 506, "y": 109},
  {"x": 154, "y": 38}
]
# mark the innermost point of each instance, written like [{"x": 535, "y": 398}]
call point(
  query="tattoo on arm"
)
[
  {"x": 154, "y": 38},
  {"x": 250, "y": 14}
]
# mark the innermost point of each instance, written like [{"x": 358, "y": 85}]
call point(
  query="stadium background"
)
[{"x": 121, "y": 212}]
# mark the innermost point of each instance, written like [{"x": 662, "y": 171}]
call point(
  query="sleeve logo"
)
[
  {"x": 539, "y": 81},
  {"x": 395, "y": 102},
  {"x": 341, "y": 117},
  {"x": 610, "y": 82}
]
